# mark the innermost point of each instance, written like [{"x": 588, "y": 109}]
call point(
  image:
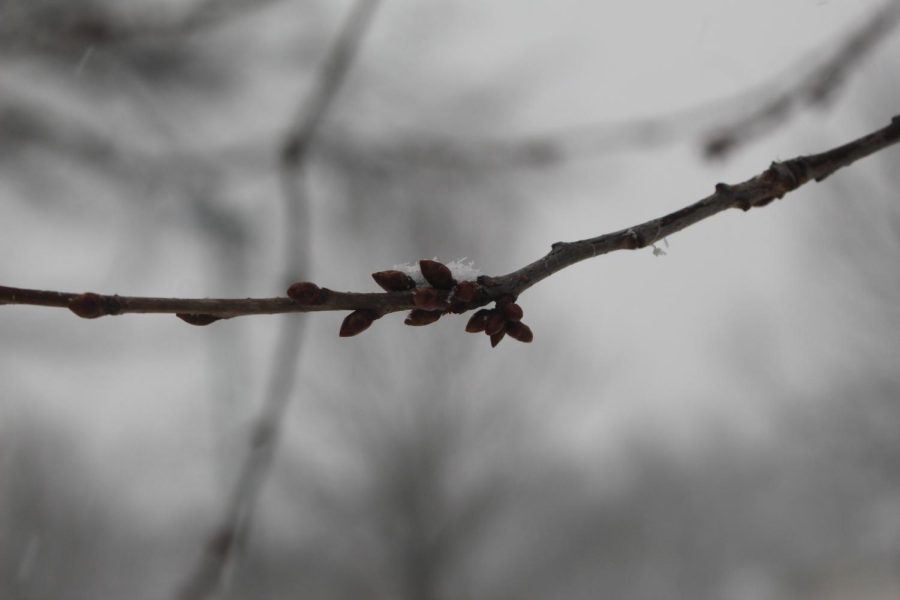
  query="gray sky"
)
[{"x": 743, "y": 311}]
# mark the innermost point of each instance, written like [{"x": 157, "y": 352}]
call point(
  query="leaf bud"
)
[
  {"x": 306, "y": 292},
  {"x": 495, "y": 338},
  {"x": 417, "y": 316},
  {"x": 512, "y": 311},
  {"x": 198, "y": 319},
  {"x": 394, "y": 281},
  {"x": 437, "y": 274},
  {"x": 90, "y": 305},
  {"x": 519, "y": 331},
  {"x": 465, "y": 291},
  {"x": 478, "y": 321},
  {"x": 356, "y": 322},
  {"x": 494, "y": 323}
]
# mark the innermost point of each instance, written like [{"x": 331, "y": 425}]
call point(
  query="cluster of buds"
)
[
  {"x": 498, "y": 322},
  {"x": 443, "y": 293},
  {"x": 440, "y": 293}
]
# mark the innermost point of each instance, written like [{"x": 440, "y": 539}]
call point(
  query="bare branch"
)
[
  {"x": 816, "y": 88},
  {"x": 774, "y": 105},
  {"x": 773, "y": 183},
  {"x": 57, "y": 27}
]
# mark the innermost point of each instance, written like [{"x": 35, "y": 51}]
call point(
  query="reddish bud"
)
[
  {"x": 519, "y": 330},
  {"x": 458, "y": 308},
  {"x": 495, "y": 338},
  {"x": 477, "y": 323},
  {"x": 90, "y": 305},
  {"x": 465, "y": 291},
  {"x": 437, "y": 274},
  {"x": 197, "y": 319},
  {"x": 428, "y": 299},
  {"x": 356, "y": 322},
  {"x": 494, "y": 323},
  {"x": 418, "y": 316},
  {"x": 512, "y": 311},
  {"x": 394, "y": 281},
  {"x": 306, "y": 292}
]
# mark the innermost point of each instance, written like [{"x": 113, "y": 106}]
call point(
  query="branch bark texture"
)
[{"x": 773, "y": 183}]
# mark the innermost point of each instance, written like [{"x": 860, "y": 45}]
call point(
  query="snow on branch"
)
[{"x": 439, "y": 292}]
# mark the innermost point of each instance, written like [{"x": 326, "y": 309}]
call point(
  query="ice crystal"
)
[{"x": 462, "y": 270}]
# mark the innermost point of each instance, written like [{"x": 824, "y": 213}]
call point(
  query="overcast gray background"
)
[{"x": 720, "y": 422}]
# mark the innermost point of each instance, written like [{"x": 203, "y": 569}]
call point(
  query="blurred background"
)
[{"x": 722, "y": 421}]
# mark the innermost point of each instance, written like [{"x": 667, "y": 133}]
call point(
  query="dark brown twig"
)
[{"x": 779, "y": 179}]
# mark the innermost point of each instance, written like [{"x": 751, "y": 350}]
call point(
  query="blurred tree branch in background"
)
[
  {"x": 229, "y": 536},
  {"x": 816, "y": 88},
  {"x": 770, "y": 105}
]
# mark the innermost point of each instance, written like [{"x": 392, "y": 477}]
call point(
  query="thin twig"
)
[
  {"x": 776, "y": 181},
  {"x": 816, "y": 88},
  {"x": 37, "y": 28},
  {"x": 229, "y": 537},
  {"x": 773, "y": 106}
]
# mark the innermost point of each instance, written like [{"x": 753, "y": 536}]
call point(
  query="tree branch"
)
[
  {"x": 816, "y": 88},
  {"x": 724, "y": 128},
  {"x": 773, "y": 183}
]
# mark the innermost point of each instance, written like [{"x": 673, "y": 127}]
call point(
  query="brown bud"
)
[
  {"x": 494, "y": 323},
  {"x": 495, "y": 339},
  {"x": 89, "y": 305},
  {"x": 306, "y": 292},
  {"x": 477, "y": 322},
  {"x": 417, "y": 316},
  {"x": 437, "y": 274},
  {"x": 197, "y": 318},
  {"x": 519, "y": 330},
  {"x": 458, "y": 308},
  {"x": 394, "y": 281},
  {"x": 428, "y": 298},
  {"x": 465, "y": 291},
  {"x": 512, "y": 311},
  {"x": 356, "y": 322}
]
